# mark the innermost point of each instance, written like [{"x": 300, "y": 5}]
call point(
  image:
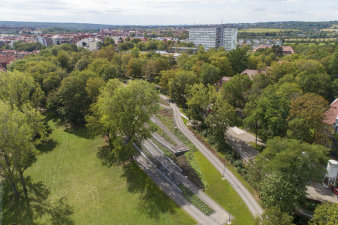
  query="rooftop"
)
[
  {"x": 332, "y": 113},
  {"x": 288, "y": 49}
]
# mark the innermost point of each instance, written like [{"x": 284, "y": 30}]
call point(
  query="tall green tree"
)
[
  {"x": 235, "y": 91},
  {"x": 166, "y": 76},
  {"x": 333, "y": 65},
  {"x": 93, "y": 86},
  {"x": 124, "y": 112},
  {"x": 64, "y": 61},
  {"x": 306, "y": 117},
  {"x": 222, "y": 116},
  {"x": 210, "y": 74},
  {"x": 19, "y": 89},
  {"x": 287, "y": 166},
  {"x": 267, "y": 114},
  {"x": 224, "y": 65},
  {"x": 178, "y": 85},
  {"x": 319, "y": 83},
  {"x": 238, "y": 59},
  {"x": 21, "y": 131},
  {"x": 134, "y": 68},
  {"x": 73, "y": 99},
  {"x": 274, "y": 216},
  {"x": 199, "y": 97},
  {"x": 325, "y": 214}
]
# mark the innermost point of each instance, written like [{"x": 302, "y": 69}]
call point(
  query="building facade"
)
[
  {"x": 214, "y": 37},
  {"x": 330, "y": 129},
  {"x": 229, "y": 38}
]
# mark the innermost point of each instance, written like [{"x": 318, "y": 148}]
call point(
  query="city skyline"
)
[{"x": 169, "y": 12}]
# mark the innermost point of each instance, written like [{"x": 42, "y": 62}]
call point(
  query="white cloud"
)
[{"x": 167, "y": 11}]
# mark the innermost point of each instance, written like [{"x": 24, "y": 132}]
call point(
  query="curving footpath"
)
[{"x": 248, "y": 199}]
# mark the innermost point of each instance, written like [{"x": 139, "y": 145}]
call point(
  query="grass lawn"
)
[
  {"x": 92, "y": 193},
  {"x": 222, "y": 192},
  {"x": 221, "y": 155},
  {"x": 263, "y": 30}
]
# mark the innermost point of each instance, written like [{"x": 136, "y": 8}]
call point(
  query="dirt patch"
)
[{"x": 166, "y": 112}]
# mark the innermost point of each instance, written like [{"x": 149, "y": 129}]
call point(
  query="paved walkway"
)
[
  {"x": 246, "y": 196},
  {"x": 240, "y": 139},
  {"x": 177, "y": 149}
]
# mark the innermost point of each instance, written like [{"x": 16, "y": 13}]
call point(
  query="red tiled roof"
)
[{"x": 332, "y": 113}]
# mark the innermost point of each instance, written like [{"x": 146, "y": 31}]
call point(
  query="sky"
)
[{"x": 167, "y": 12}]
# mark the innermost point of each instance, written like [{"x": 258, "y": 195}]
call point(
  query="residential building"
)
[
  {"x": 214, "y": 37},
  {"x": 208, "y": 37},
  {"x": 8, "y": 56},
  {"x": 42, "y": 40},
  {"x": 229, "y": 38},
  {"x": 223, "y": 80},
  {"x": 330, "y": 125},
  {"x": 91, "y": 44},
  {"x": 287, "y": 50},
  {"x": 252, "y": 73}
]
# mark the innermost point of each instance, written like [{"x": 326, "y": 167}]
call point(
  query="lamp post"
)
[
  {"x": 229, "y": 221},
  {"x": 223, "y": 178}
]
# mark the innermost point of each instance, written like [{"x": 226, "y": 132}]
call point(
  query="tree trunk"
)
[
  {"x": 10, "y": 176},
  {"x": 15, "y": 190},
  {"x": 256, "y": 131},
  {"x": 23, "y": 183}
]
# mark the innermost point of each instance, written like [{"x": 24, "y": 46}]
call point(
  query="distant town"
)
[{"x": 180, "y": 38}]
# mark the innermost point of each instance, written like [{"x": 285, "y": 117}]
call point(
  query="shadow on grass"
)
[
  {"x": 153, "y": 201},
  {"x": 79, "y": 130},
  {"x": 182, "y": 162},
  {"x": 47, "y": 145},
  {"x": 29, "y": 211}
]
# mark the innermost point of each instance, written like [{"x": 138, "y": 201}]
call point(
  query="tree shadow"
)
[
  {"x": 29, "y": 211},
  {"x": 47, "y": 145},
  {"x": 188, "y": 170},
  {"x": 119, "y": 156},
  {"x": 79, "y": 130},
  {"x": 154, "y": 201},
  {"x": 106, "y": 155}
]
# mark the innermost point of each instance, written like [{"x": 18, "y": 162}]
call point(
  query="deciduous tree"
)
[
  {"x": 306, "y": 117},
  {"x": 178, "y": 84},
  {"x": 325, "y": 214},
  {"x": 124, "y": 111},
  {"x": 287, "y": 166}
]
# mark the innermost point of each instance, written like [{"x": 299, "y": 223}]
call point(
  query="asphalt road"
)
[
  {"x": 240, "y": 141},
  {"x": 247, "y": 197}
]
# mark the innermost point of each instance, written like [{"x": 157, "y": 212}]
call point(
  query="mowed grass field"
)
[
  {"x": 223, "y": 193},
  {"x": 95, "y": 194},
  {"x": 263, "y": 30}
]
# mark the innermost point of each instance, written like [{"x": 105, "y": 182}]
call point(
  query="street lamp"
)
[
  {"x": 223, "y": 178},
  {"x": 229, "y": 221}
]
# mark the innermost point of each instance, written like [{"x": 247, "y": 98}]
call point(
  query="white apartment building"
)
[
  {"x": 229, "y": 38},
  {"x": 214, "y": 37}
]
